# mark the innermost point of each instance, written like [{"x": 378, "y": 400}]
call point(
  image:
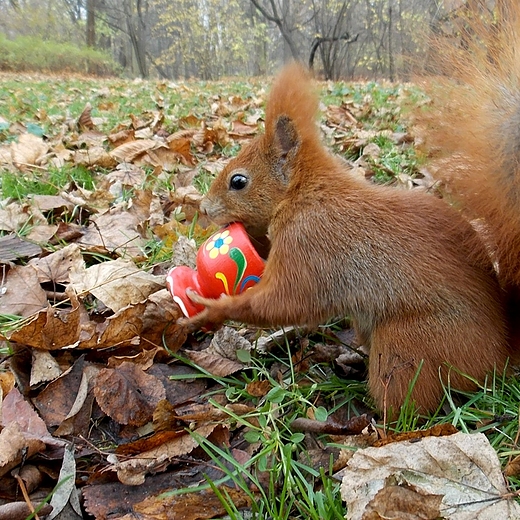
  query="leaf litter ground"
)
[{"x": 107, "y": 409}]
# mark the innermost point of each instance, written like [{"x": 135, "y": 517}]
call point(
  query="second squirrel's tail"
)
[{"x": 473, "y": 130}]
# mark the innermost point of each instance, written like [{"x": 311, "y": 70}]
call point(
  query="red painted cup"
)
[{"x": 227, "y": 263}]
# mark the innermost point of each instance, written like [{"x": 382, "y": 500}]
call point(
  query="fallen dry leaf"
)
[
  {"x": 462, "y": 469},
  {"x": 101, "y": 500},
  {"x": 119, "y": 330},
  {"x": 52, "y": 328},
  {"x": 44, "y": 367},
  {"x": 259, "y": 388},
  {"x": 6, "y": 384},
  {"x": 57, "y": 266},
  {"x": 114, "y": 232},
  {"x": 220, "y": 358},
  {"x": 17, "y": 410},
  {"x": 55, "y": 402},
  {"x": 133, "y": 471},
  {"x": 22, "y": 293},
  {"x": 28, "y": 151},
  {"x": 214, "y": 363},
  {"x": 191, "y": 506},
  {"x": 117, "y": 283},
  {"x": 15, "y": 447},
  {"x": 160, "y": 322},
  {"x": 14, "y": 217},
  {"x": 128, "y": 394}
]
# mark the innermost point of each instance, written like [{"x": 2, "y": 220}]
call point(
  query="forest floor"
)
[{"x": 108, "y": 410}]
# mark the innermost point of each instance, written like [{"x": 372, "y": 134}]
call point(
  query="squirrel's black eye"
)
[{"x": 238, "y": 182}]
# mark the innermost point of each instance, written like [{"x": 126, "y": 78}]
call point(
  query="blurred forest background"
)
[{"x": 212, "y": 39}]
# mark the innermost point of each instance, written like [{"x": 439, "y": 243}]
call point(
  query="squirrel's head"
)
[{"x": 250, "y": 187}]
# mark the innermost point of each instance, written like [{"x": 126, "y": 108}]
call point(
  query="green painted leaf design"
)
[{"x": 238, "y": 257}]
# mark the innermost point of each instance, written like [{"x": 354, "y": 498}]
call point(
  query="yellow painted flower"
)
[{"x": 219, "y": 244}]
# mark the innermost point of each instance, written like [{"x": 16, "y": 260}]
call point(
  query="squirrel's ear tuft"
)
[
  {"x": 293, "y": 96},
  {"x": 286, "y": 136}
]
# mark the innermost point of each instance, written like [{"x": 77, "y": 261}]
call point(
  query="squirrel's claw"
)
[
  {"x": 197, "y": 298},
  {"x": 208, "y": 318}
]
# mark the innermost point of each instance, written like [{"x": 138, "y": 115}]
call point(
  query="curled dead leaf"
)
[
  {"x": 22, "y": 294},
  {"x": 28, "y": 151},
  {"x": 133, "y": 471},
  {"x": 128, "y": 394},
  {"x": 85, "y": 118},
  {"x": 463, "y": 469}
]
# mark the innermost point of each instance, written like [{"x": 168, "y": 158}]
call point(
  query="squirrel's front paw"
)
[
  {"x": 198, "y": 299},
  {"x": 211, "y": 317},
  {"x": 194, "y": 323}
]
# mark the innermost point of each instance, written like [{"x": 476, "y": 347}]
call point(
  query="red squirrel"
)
[{"x": 410, "y": 270}]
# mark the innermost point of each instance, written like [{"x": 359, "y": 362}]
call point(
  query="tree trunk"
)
[
  {"x": 91, "y": 23},
  {"x": 136, "y": 27},
  {"x": 391, "y": 65},
  {"x": 283, "y": 26}
]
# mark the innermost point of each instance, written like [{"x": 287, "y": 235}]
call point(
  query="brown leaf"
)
[
  {"x": 127, "y": 175},
  {"x": 28, "y": 151},
  {"x": 152, "y": 442},
  {"x": 52, "y": 328},
  {"x": 51, "y": 202},
  {"x": 16, "y": 409},
  {"x": 117, "y": 283},
  {"x": 133, "y": 471},
  {"x": 94, "y": 156},
  {"x": 123, "y": 328},
  {"x": 512, "y": 468},
  {"x": 102, "y": 500},
  {"x": 191, "y": 506},
  {"x": 164, "y": 417},
  {"x": 15, "y": 447},
  {"x": 207, "y": 412},
  {"x": 440, "y": 430},
  {"x": 22, "y": 294},
  {"x": 144, "y": 359},
  {"x": 44, "y": 367},
  {"x": 14, "y": 216},
  {"x": 42, "y": 233},
  {"x": 77, "y": 421},
  {"x": 258, "y": 388},
  {"x": 353, "y": 426},
  {"x": 6, "y": 384},
  {"x": 180, "y": 381},
  {"x": 462, "y": 469},
  {"x": 160, "y": 321},
  {"x": 57, "y": 266},
  {"x": 128, "y": 394},
  {"x": 122, "y": 136},
  {"x": 21, "y": 510},
  {"x": 128, "y": 152},
  {"x": 56, "y": 401},
  {"x": 115, "y": 231},
  {"x": 239, "y": 129},
  {"x": 404, "y": 503},
  {"x": 180, "y": 143},
  {"x": 220, "y": 358},
  {"x": 85, "y": 118},
  {"x": 214, "y": 363}
]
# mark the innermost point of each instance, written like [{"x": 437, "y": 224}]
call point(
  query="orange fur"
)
[
  {"x": 409, "y": 269},
  {"x": 473, "y": 130}
]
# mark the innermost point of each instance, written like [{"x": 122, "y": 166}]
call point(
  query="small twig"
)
[{"x": 21, "y": 483}]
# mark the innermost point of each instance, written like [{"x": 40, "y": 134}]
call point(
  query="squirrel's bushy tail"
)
[{"x": 473, "y": 129}]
